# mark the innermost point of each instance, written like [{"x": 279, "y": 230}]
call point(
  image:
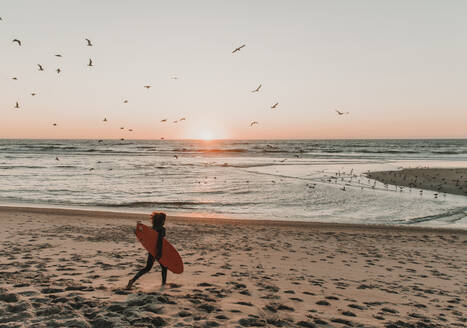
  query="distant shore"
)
[{"x": 443, "y": 180}]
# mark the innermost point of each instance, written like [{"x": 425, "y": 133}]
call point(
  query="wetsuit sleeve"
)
[{"x": 161, "y": 232}]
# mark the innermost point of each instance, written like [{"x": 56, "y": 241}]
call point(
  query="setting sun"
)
[{"x": 206, "y": 135}]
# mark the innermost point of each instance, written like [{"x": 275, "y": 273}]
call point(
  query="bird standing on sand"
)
[
  {"x": 238, "y": 49},
  {"x": 89, "y": 42},
  {"x": 257, "y": 89},
  {"x": 40, "y": 67},
  {"x": 275, "y": 105},
  {"x": 17, "y": 105},
  {"x": 17, "y": 41},
  {"x": 253, "y": 123},
  {"x": 90, "y": 62}
]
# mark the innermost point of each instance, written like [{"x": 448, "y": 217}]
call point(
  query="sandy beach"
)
[
  {"x": 446, "y": 180},
  {"x": 68, "y": 268}
]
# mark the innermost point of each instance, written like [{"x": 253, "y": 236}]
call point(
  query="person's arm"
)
[{"x": 161, "y": 235}]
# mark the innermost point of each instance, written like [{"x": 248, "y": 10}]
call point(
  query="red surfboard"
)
[{"x": 170, "y": 257}]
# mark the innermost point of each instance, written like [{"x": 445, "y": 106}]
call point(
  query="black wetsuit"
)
[{"x": 150, "y": 261}]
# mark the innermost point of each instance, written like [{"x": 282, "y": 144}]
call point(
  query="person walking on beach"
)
[{"x": 158, "y": 220}]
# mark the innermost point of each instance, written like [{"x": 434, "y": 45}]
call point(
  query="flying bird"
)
[
  {"x": 182, "y": 119},
  {"x": 121, "y": 128},
  {"x": 17, "y": 41},
  {"x": 164, "y": 120},
  {"x": 238, "y": 49},
  {"x": 90, "y": 62},
  {"x": 257, "y": 89},
  {"x": 174, "y": 77},
  {"x": 14, "y": 78},
  {"x": 55, "y": 124},
  {"x": 89, "y": 42},
  {"x": 40, "y": 67},
  {"x": 147, "y": 86},
  {"x": 341, "y": 113},
  {"x": 275, "y": 105},
  {"x": 17, "y": 105},
  {"x": 131, "y": 130},
  {"x": 253, "y": 123},
  {"x": 125, "y": 101},
  {"x": 33, "y": 94},
  {"x": 175, "y": 121},
  {"x": 105, "y": 119},
  {"x": 58, "y": 70},
  {"x": 58, "y": 55}
]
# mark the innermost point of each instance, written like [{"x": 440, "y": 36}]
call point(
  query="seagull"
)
[
  {"x": 105, "y": 119},
  {"x": 275, "y": 105},
  {"x": 125, "y": 101},
  {"x": 238, "y": 49},
  {"x": 164, "y": 120},
  {"x": 33, "y": 94},
  {"x": 182, "y": 119},
  {"x": 90, "y": 62},
  {"x": 257, "y": 89},
  {"x": 17, "y": 41},
  {"x": 253, "y": 123},
  {"x": 147, "y": 86},
  {"x": 17, "y": 105},
  {"x": 89, "y": 42},
  {"x": 58, "y": 70},
  {"x": 341, "y": 113},
  {"x": 40, "y": 67},
  {"x": 58, "y": 55}
]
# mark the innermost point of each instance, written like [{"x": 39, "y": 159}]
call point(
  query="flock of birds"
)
[{"x": 90, "y": 64}]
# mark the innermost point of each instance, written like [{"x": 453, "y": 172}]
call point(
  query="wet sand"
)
[
  {"x": 452, "y": 180},
  {"x": 68, "y": 268}
]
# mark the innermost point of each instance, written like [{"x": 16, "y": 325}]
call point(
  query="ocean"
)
[{"x": 299, "y": 180}]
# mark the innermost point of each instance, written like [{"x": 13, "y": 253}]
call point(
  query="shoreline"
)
[
  {"x": 442, "y": 180},
  {"x": 103, "y": 214},
  {"x": 69, "y": 268}
]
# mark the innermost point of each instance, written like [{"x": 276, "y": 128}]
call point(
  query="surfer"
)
[{"x": 158, "y": 220}]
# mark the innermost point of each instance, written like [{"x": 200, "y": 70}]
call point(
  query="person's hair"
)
[{"x": 158, "y": 218}]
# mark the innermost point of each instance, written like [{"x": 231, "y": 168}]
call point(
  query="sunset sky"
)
[{"x": 398, "y": 67}]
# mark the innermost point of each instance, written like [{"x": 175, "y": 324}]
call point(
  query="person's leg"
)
[
  {"x": 146, "y": 269},
  {"x": 164, "y": 274}
]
